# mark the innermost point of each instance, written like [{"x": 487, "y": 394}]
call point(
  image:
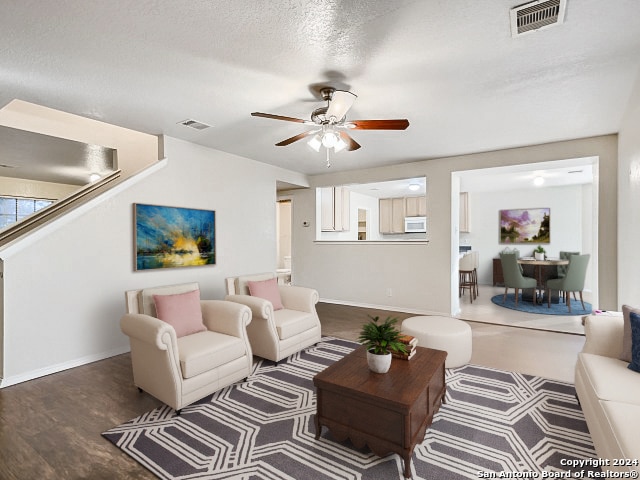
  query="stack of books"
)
[{"x": 410, "y": 343}]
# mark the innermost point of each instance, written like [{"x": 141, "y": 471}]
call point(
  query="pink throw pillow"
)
[
  {"x": 267, "y": 289},
  {"x": 182, "y": 311}
]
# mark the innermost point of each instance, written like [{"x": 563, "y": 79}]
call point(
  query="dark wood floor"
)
[{"x": 51, "y": 427}]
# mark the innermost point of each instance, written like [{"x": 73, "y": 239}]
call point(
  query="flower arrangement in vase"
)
[{"x": 380, "y": 339}]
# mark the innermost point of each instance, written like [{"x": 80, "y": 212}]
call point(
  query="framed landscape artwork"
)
[
  {"x": 527, "y": 225},
  {"x": 168, "y": 237}
]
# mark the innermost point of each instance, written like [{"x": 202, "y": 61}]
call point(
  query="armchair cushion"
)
[
  {"x": 268, "y": 290},
  {"x": 292, "y": 322},
  {"x": 182, "y": 311},
  {"x": 204, "y": 351}
]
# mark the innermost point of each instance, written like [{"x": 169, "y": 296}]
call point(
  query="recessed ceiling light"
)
[
  {"x": 414, "y": 186},
  {"x": 538, "y": 181}
]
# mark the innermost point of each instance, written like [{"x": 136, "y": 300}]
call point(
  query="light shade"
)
[
  {"x": 340, "y": 145},
  {"x": 315, "y": 142},
  {"x": 329, "y": 139}
]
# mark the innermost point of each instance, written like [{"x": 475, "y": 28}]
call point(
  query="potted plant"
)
[
  {"x": 539, "y": 253},
  {"x": 380, "y": 339}
]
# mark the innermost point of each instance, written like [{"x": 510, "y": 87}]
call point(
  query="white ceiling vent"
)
[
  {"x": 536, "y": 15},
  {"x": 194, "y": 124}
]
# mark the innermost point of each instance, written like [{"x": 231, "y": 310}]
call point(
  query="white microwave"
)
[{"x": 415, "y": 224}]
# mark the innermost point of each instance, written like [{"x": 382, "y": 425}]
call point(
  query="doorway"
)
[
  {"x": 284, "y": 220},
  {"x": 569, "y": 186}
]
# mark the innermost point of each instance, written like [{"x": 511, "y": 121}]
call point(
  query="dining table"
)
[{"x": 538, "y": 267}]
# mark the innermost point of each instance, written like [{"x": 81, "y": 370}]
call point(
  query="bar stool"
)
[{"x": 466, "y": 276}]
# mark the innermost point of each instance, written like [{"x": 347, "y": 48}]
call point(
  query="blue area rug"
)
[{"x": 529, "y": 307}]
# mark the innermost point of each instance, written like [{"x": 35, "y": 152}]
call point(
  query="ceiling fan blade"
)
[
  {"x": 398, "y": 124},
  {"x": 340, "y": 103},
  {"x": 300, "y": 136},
  {"x": 351, "y": 143},
  {"x": 279, "y": 117}
]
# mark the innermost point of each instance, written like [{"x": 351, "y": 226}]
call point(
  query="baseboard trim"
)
[
  {"x": 42, "y": 372},
  {"x": 393, "y": 308}
]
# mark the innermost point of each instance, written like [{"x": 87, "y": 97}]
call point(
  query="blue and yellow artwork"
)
[{"x": 168, "y": 237}]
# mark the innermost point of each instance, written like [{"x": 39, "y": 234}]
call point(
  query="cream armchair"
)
[
  {"x": 277, "y": 333},
  {"x": 181, "y": 370}
]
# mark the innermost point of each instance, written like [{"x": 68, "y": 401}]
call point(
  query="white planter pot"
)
[
  {"x": 379, "y": 363},
  {"x": 539, "y": 256}
]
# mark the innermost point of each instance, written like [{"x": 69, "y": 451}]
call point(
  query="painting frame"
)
[
  {"x": 173, "y": 237},
  {"x": 525, "y": 226}
]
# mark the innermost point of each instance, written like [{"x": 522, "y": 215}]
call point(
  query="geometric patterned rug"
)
[{"x": 492, "y": 421}]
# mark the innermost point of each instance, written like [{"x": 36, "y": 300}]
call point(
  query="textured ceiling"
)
[{"x": 451, "y": 68}]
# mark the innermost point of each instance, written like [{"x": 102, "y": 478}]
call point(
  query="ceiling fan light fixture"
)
[
  {"x": 340, "y": 145},
  {"x": 330, "y": 139},
  {"x": 538, "y": 181},
  {"x": 315, "y": 142}
]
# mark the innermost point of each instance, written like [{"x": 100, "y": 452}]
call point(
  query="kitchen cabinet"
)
[
  {"x": 392, "y": 213},
  {"x": 464, "y": 212},
  {"x": 416, "y": 206},
  {"x": 334, "y": 209}
]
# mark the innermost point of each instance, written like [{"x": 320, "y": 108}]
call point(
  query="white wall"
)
[
  {"x": 629, "y": 203},
  {"x": 567, "y": 222},
  {"x": 64, "y": 294},
  {"x": 419, "y": 275}
]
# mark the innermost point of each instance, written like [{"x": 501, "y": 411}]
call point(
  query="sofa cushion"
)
[
  {"x": 182, "y": 311},
  {"x": 292, "y": 322},
  {"x": 204, "y": 351},
  {"x": 624, "y": 419},
  {"x": 626, "y": 339},
  {"x": 634, "y": 319},
  {"x": 610, "y": 378},
  {"x": 267, "y": 289}
]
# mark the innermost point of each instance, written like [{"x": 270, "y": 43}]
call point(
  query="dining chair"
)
[
  {"x": 573, "y": 281},
  {"x": 513, "y": 277},
  {"x": 562, "y": 269}
]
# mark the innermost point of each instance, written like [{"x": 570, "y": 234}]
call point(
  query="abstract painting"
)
[
  {"x": 527, "y": 225},
  {"x": 168, "y": 237}
]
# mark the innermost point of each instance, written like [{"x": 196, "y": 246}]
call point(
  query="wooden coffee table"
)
[{"x": 388, "y": 412}]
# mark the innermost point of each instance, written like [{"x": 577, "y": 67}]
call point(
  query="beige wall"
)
[
  {"x": 19, "y": 187},
  {"x": 629, "y": 203},
  {"x": 419, "y": 276}
]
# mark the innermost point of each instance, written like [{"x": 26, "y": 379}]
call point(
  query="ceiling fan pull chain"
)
[{"x": 328, "y": 160}]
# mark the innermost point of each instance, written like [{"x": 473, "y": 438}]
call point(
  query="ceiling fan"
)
[{"x": 331, "y": 123}]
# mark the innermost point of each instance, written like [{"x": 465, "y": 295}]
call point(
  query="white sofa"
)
[
  {"x": 609, "y": 393},
  {"x": 276, "y": 334},
  {"x": 181, "y": 370}
]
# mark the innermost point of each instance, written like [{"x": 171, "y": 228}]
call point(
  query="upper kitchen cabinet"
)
[
  {"x": 392, "y": 213},
  {"x": 416, "y": 206},
  {"x": 334, "y": 209},
  {"x": 464, "y": 212}
]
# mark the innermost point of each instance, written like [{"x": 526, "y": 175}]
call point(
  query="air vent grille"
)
[
  {"x": 536, "y": 16},
  {"x": 194, "y": 124}
]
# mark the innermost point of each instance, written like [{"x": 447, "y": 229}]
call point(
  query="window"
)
[{"x": 14, "y": 209}]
